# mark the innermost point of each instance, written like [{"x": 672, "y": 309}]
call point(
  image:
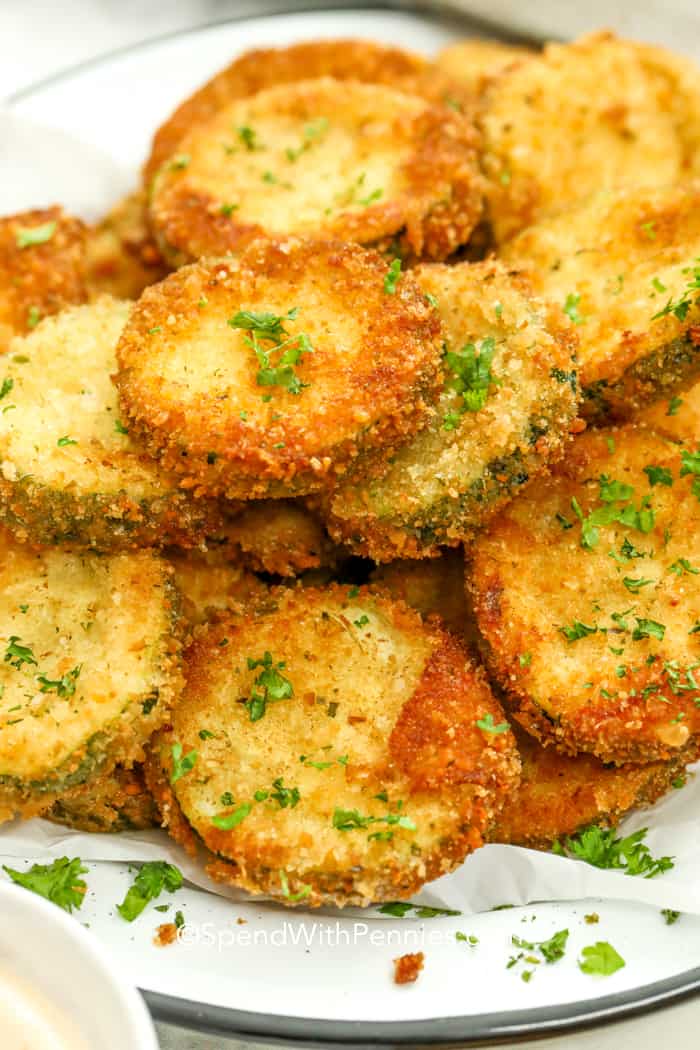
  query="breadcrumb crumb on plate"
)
[
  {"x": 332, "y": 750},
  {"x": 70, "y": 470},
  {"x": 264, "y": 375},
  {"x": 254, "y": 71},
  {"x": 321, "y": 158},
  {"x": 89, "y": 665},
  {"x": 585, "y": 593},
  {"x": 506, "y": 410},
  {"x": 42, "y": 268},
  {"x": 625, "y": 266}
]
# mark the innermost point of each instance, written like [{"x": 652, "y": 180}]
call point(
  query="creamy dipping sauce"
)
[{"x": 30, "y": 1021}]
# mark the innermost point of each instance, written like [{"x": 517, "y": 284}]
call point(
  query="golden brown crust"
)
[
  {"x": 578, "y": 118},
  {"x": 321, "y": 158},
  {"x": 440, "y": 487},
  {"x": 256, "y": 70},
  {"x": 41, "y": 278},
  {"x": 473, "y": 62},
  {"x": 615, "y": 262},
  {"x": 560, "y": 794},
  {"x": 281, "y": 537},
  {"x": 70, "y": 471},
  {"x": 383, "y": 712},
  {"x": 116, "y": 802},
  {"x": 212, "y": 584},
  {"x": 678, "y": 418},
  {"x": 190, "y": 383},
  {"x": 432, "y": 586},
  {"x": 121, "y": 257},
  {"x": 592, "y": 633}
]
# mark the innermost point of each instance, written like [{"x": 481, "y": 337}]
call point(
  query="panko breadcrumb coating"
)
[
  {"x": 578, "y": 118},
  {"x": 678, "y": 418},
  {"x": 265, "y": 375},
  {"x": 121, "y": 256},
  {"x": 119, "y": 801},
  {"x": 321, "y": 158},
  {"x": 281, "y": 537},
  {"x": 559, "y": 795},
  {"x": 70, "y": 471},
  {"x": 505, "y": 411},
  {"x": 335, "y": 750},
  {"x": 585, "y": 593},
  {"x": 89, "y": 665},
  {"x": 473, "y": 62},
  {"x": 256, "y": 70},
  {"x": 211, "y": 583},
  {"x": 42, "y": 268},
  {"x": 624, "y": 265}
]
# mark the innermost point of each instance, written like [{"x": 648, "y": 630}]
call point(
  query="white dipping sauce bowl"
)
[{"x": 48, "y": 949}]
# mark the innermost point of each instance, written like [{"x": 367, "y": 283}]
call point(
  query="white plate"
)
[{"x": 262, "y": 979}]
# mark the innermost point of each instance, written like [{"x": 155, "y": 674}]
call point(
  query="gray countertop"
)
[{"x": 40, "y": 37}]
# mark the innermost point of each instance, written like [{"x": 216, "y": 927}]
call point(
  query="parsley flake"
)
[
  {"x": 154, "y": 876},
  {"x": 58, "y": 882},
  {"x": 27, "y": 237}
]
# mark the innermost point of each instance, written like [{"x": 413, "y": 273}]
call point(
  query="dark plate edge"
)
[{"x": 472, "y": 1031}]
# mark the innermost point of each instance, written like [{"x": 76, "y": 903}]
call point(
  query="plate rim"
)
[{"x": 461, "y": 1030}]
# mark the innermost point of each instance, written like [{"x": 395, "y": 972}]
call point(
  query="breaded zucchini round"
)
[
  {"x": 678, "y": 418},
  {"x": 118, "y": 801},
  {"x": 260, "y": 376},
  {"x": 585, "y": 593},
  {"x": 474, "y": 62},
  {"x": 335, "y": 750},
  {"x": 676, "y": 79},
  {"x": 507, "y": 406},
  {"x": 559, "y": 795},
  {"x": 89, "y": 664},
  {"x": 69, "y": 471},
  {"x": 281, "y": 537},
  {"x": 121, "y": 255},
  {"x": 624, "y": 265},
  {"x": 41, "y": 268},
  {"x": 433, "y": 586},
  {"x": 321, "y": 158},
  {"x": 211, "y": 584},
  {"x": 578, "y": 118},
  {"x": 256, "y": 70}
]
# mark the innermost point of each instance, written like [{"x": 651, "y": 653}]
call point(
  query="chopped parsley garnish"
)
[
  {"x": 673, "y": 406},
  {"x": 283, "y": 796},
  {"x": 59, "y": 882},
  {"x": 119, "y": 427},
  {"x": 362, "y": 622},
  {"x": 399, "y": 909},
  {"x": 154, "y": 876},
  {"x": 352, "y": 820},
  {"x": 635, "y": 584},
  {"x": 33, "y": 317},
  {"x": 17, "y": 655},
  {"x": 690, "y": 464},
  {"x": 29, "y": 236},
  {"x": 682, "y": 565},
  {"x": 182, "y": 764},
  {"x": 228, "y": 209},
  {"x": 600, "y": 959},
  {"x": 6, "y": 387},
  {"x": 268, "y": 327},
  {"x": 489, "y": 726},
  {"x": 249, "y": 138},
  {"x": 613, "y": 496},
  {"x": 180, "y": 162},
  {"x": 63, "y": 441},
  {"x": 471, "y": 377},
  {"x": 659, "y": 475},
  {"x": 469, "y": 939},
  {"x": 680, "y": 307},
  {"x": 578, "y": 630},
  {"x": 525, "y": 659},
  {"x": 231, "y": 820},
  {"x": 571, "y": 309},
  {"x": 64, "y": 687},
  {"x": 603, "y": 849},
  {"x": 269, "y": 685},
  {"x": 550, "y": 951},
  {"x": 287, "y": 894},
  {"x": 648, "y": 629},
  {"x": 391, "y": 277},
  {"x": 670, "y": 916},
  {"x": 312, "y": 132}
]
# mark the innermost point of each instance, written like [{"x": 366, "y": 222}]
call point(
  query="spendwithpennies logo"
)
[{"x": 288, "y": 934}]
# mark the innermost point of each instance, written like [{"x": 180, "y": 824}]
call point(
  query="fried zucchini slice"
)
[
  {"x": 69, "y": 470},
  {"x": 585, "y": 593},
  {"x": 578, "y": 118},
  {"x": 321, "y": 158},
  {"x": 678, "y": 418},
  {"x": 433, "y": 586},
  {"x": 507, "y": 406},
  {"x": 677, "y": 82},
  {"x": 333, "y": 751},
  {"x": 474, "y": 62},
  {"x": 281, "y": 537},
  {"x": 559, "y": 795},
  {"x": 624, "y": 265},
  {"x": 89, "y": 664},
  {"x": 41, "y": 268},
  {"x": 121, "y": 256},
  {"x": 259, "y": 376},
  {"x": 256, "y": 70},
  {"x": 119, "y": 801},
  {"x": 211, "y": 584}
]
